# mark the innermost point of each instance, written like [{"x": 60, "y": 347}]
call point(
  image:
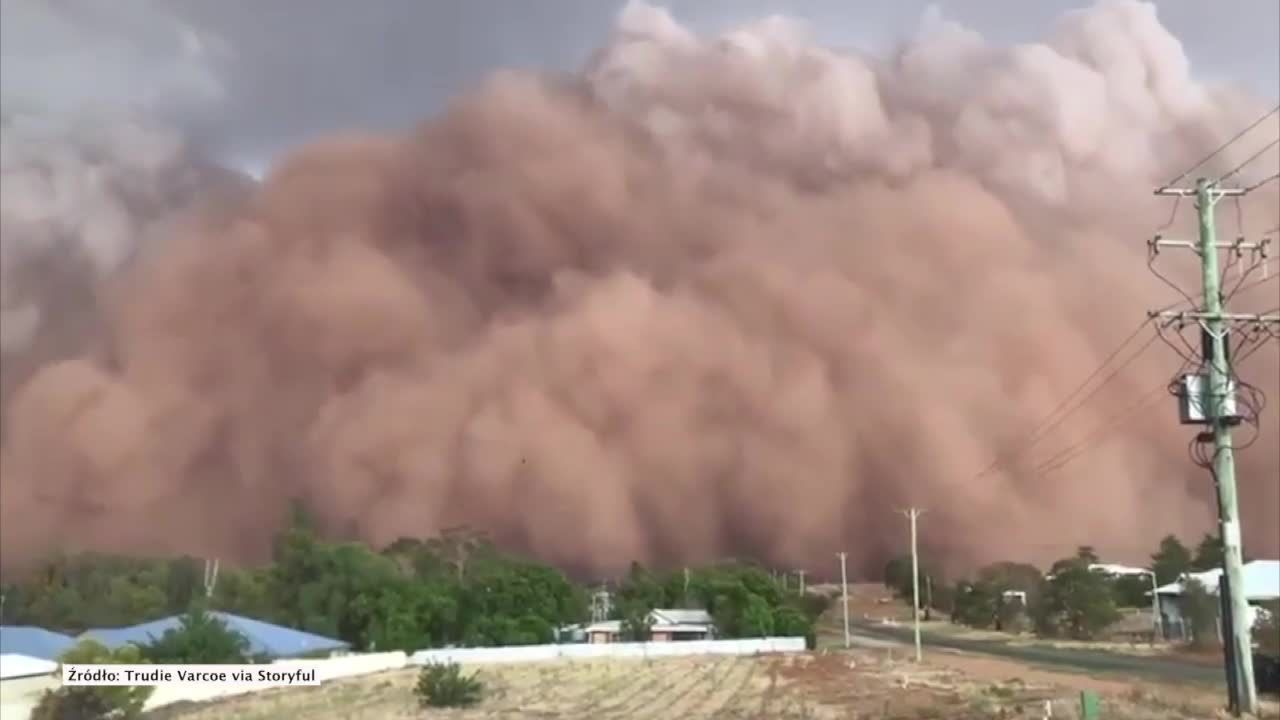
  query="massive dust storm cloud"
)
[{"x": 731, "y": 294}]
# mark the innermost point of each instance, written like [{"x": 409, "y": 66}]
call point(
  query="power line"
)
[
  {"x": 1241, "y": 286},
  {"x": 1250, "y": 159},
  {"x": 1045, "y": 425},
  {"x": 1091, "y": 440},
  {"x": 1223, "y": 146},
  {"x": 1262, "y": 182}
]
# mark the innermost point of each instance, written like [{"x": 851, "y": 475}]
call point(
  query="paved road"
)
[{"x": 1087, "y": 661}]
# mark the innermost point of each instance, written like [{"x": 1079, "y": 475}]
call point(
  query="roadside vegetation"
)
[
  {"x": 458, "y": 589},
  {"x": 95, "y": 702},
  {"x": 446, "y": 685},
  {"x": 1069, "y": 600}
]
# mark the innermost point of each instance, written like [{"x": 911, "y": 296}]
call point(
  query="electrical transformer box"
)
[{"x": 1193, "y": 401}]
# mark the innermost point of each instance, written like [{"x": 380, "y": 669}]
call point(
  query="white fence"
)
[
  {"x": 540, "y": 653},
  {"x": 20, "y": 698}
]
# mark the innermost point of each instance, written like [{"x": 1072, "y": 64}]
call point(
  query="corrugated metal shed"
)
[
  {"x": 681, "y": 617},
  {"x": 264, "y": 638},
  {"x": 33, "y": 641}
]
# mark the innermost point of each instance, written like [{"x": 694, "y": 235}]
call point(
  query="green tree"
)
[
  {"x": 975, "y": 604},
  {"x": 244, "y": 591},
  {"x": 200, "y": 639},
  {"x": 1131, "y": 591},
  {"x": 757, "y": 617},
  {"x": 1077, "y": 600},
  {"x": 409, "y": 615},
  {"x": 1171, "y": 560},
  {"x": 996, "y": 597},
  {"x": 1020, "y": 577},
  {"x": 640, "y": 592},
  {"x": 514, "y": 602},
  {"x": 325, "y": 588},
  {"x": 635, "y": 624},
  {"x": 898, "y": 578},
  {"x": 95, "y": 702},
  {"x": 1208, "y": 554},
  {"x": 74, "y": 593},
  {"x": 184, "y": 580},
  {"x": 1087, "y": 554}
]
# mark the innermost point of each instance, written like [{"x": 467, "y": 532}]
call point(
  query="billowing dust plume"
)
[{"x": 711, "y": 295}]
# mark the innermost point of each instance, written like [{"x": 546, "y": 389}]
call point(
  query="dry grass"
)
[{"x": 822, "y": 686}]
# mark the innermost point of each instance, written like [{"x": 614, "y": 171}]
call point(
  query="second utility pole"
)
[
  {"x": 912, "y": 514},
  {"x": 844, "y": 598}
]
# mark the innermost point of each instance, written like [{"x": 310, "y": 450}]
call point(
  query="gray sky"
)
[{"x": 249, "y": 77}]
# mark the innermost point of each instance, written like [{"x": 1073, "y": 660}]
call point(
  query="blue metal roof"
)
[
  {"x": 264, "y": 638},
  {"x": 33, "y": 641}
]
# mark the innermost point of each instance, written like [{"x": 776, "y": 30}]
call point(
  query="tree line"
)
[
  {"x": 1069, "y": 600},
  {"x": 457, "y": 589}
]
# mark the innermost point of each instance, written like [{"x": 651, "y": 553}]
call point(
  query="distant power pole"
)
[
  {"x": 1209, "y": 399},
  {"x": 844, "y": 598},
  {"x": 913, "y": 514},
  {"x": 801, "y": 574},
  {"x": 928, "y": 597},
  {"x": 210, "y": 577}
]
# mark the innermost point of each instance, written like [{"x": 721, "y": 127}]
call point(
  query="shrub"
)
[
  {"x": 444, "y": 685},
  {"x": 1131, "y": 591},
  {"x": 1266, "y": 631},
  {"x": 976, "y": 604},
  {"x": 72, "y": 703},
  {"x": 201, "y": 639},
  {"x": 94, "y": 702},
  {"x": 1201, "y": 611},
  {"x": 1077, "y": 600}
]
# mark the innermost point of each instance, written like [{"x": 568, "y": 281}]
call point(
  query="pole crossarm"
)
[
  {"x": 1260, "y": 247},
  {"x": 1191, "y": 192},
  {"x": 1246, "y": 318}
]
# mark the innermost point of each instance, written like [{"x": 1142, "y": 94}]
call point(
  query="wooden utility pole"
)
[
  {"x": 913, "y": 514},
  {"x": 210, "y": 577},
  {"x": 844, "y": 598},
  {"x": 1213, "y": 397}
]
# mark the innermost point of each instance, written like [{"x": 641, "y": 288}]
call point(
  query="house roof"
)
[
  {"x": 264, "y": 638},
  {"x": 663, "y": 620},
  {"x": 608, "y": 626},
  {"x": 1113, "y": 569},
  {"x": 681, "y": 617},
  {"x": 1261, "y": 581},
  {"x": 680, "y": 628},
  {"x": 15, "y": 665},
  {"x": 33, "y": 642}
]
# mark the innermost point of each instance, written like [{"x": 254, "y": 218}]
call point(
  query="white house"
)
[
  {"x": 1261, "y": 584},
  {"x": 665, "y": 625}
]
